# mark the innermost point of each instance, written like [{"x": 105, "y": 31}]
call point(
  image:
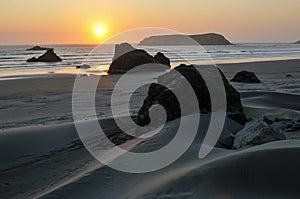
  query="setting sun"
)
[{"x": 100, "y": 30}]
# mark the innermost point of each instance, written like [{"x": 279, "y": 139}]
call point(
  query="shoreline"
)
[
  {"x": 74, "y": 72},
  {"x": 47, "y": 99}
]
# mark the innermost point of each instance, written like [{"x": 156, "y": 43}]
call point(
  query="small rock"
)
[
  {"x": 245, "y": 77},
  {"x": 227, "y": 141},
  {"x": 83, "y": 66},
  {"x": 33, "y": 59},
  {"x": 257, "y": 132},
  {"x": 267, "y": 120}
]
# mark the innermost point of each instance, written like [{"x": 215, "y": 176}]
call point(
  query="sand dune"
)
[
  {"x": 272, "y": 100},
  {"x": 248, "y": 173},
  {"x": 266, "y": 171},
  {"x": 272, "y": 104}
]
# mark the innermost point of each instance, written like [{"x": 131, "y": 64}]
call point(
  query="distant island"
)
[
  {"x": 202, "y": 39},
  {"x": 297, "y": 42},
  {"x": 38, "y": 48}
]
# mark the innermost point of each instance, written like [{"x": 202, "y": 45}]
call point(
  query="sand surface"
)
[{"x": 41, "y": 155}]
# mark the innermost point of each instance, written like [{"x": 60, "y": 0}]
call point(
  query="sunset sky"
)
[{"x": 91, "y": 21}]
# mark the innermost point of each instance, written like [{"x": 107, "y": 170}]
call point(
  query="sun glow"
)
[{"x": 99, "y": 30}]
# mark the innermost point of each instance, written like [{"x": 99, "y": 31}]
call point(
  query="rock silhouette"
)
[
  {"x": 159, "y": 94},
  {"x": 83, "y": 66},
  {"x": 127, "y": 57},
  {"x": 199, "y": 39},
  {"x": 38, "y": 48},
  {"x": 48, "y": 56},
  {"x": 245, "y": 77}
]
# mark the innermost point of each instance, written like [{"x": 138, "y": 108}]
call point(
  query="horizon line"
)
[{"x": 95, "y": 44}]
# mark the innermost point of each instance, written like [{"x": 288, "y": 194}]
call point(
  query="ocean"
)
[{"x": 13, "y": 58}]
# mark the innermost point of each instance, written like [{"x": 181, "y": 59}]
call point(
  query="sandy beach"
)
[
  {"x": 39, "y": 142},
  {"x": 149, "y": 99}
]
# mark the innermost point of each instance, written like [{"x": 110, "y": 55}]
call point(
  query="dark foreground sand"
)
[{"x": 41, "y": 155}]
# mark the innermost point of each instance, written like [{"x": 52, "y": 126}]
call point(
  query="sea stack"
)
[
  {"x": 127, "y": 57},
  {"x": 48, "y": 56},
  {"x": 199, "y": 39}
]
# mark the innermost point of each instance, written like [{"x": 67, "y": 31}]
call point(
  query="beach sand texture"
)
[{"x": 39, "y": 143}]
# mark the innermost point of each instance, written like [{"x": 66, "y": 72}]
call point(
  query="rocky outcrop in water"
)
[
  {"x": 297, "y": 42},
  {"x": 49, "y": 56},
  {"x": 127, "y": 57},
  {"x": 245, "y": 77},
  {"x": 199, "y": 39},
  {"x": 158, "y": 94}
]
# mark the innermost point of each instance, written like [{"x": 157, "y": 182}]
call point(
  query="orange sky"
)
[{"x": 74, "y": 21}]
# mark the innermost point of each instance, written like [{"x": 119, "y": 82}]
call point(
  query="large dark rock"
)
[
  {"x": 49, "y": 56},
  {"x": 257, "y": 132},
  {"x": 126, "y": 58},
  {"x": 297, "y": 42},
  {"x": 245, "y": 77},
  {"x": 202, "y": 39},
  {"x": 158, "y": 94},
  {"x": 38, "y": 48}
]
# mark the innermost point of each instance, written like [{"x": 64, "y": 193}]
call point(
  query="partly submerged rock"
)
[
  {"x": 126, "y": 58},
  {"x": 199, "y": 39},
  {"x": 257, "y": 132},
  {"x": 245, "y": 77},
  {"x": 158, "y": 94},
  {"x": 38, "y": 48},
  {"x": 49, "y": 56},
  {"x": 33, "y": 59}
]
